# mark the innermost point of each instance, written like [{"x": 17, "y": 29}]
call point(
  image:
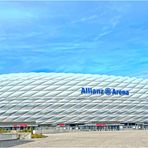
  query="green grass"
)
[
  {"x": 3, "y": 130},
  {"x": 26, "y": 131},
  {"x": 38, "y": 136}
]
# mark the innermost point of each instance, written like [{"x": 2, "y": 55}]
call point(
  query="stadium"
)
[{"x": 73, "y": 100}]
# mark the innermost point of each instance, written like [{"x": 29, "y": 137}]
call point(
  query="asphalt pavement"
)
[{"x": 11, "y": 143}]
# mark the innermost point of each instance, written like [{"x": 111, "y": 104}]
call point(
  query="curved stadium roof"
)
[{"x": 57, "y": 98}]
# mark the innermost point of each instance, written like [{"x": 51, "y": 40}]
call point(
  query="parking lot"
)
[{"x": 104, "y": 139}]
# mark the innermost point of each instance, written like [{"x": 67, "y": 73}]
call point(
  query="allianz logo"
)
[{"x": 106, "y": 91}]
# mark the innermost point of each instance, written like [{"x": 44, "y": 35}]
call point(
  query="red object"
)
[
  {"x": 23, "y": 125},
  {"x": 100, "y": 124},
  {"x": 14, "y": 125},
  {"x": 20, "y": 125},
  {"x": 61, "y": 124}
]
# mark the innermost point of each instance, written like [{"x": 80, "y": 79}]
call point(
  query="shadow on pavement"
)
[{"x": 10, "y": 143}]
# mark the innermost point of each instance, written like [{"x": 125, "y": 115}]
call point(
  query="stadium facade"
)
[{"x": 59, "y": 98}]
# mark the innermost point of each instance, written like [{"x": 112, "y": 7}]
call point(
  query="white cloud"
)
[{"x": 85, "y": 18}]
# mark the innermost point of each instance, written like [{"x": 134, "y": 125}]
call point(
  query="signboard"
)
[{"x": 106, "y": 91}]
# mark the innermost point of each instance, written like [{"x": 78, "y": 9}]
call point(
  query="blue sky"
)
[{"x": 77, "y": 37}]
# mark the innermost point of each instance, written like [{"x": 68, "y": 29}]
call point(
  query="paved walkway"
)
[
  {"x": 11, "y": 143},
  {"x": 116, "y": 139}
]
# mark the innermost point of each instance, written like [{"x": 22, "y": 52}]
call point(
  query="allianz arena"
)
[{"x": 55, "y": 98}]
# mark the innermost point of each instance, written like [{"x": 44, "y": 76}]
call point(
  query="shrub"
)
[
  {"x": 26, "y": 130},
  {"x": 38, "y": 136},
  {"x": 3, "y": 130}
]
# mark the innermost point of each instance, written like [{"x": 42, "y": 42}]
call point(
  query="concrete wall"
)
[
  {"x": 9, "y": 136},
  {"x": 25, "y": 135}
]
